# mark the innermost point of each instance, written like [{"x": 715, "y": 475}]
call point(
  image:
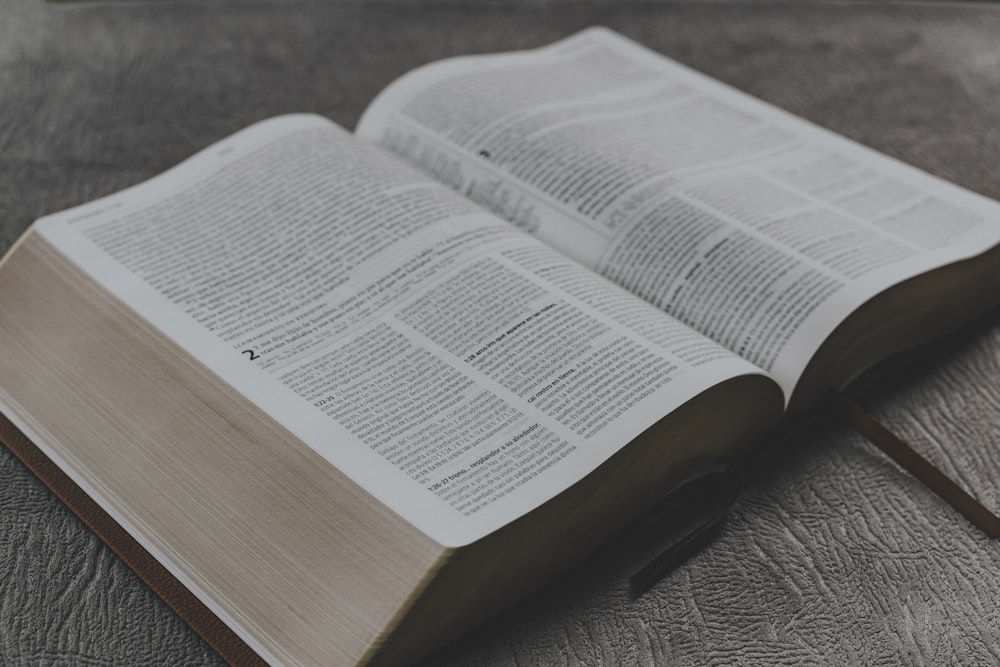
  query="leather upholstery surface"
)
[{"x": 831, "y": 556}]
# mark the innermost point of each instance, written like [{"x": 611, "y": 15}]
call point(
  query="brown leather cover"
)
[{"x": 191, "y": 610}]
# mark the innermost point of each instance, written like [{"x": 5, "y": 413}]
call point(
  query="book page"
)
[
  {"x": 754, "y": 227},
  {"x": 455, "y": 367}
]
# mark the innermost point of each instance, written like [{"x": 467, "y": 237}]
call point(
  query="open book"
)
[{"x": 357, "y": 393}]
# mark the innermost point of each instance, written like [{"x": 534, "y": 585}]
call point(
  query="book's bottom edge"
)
[{"x": 168, "y": 588}]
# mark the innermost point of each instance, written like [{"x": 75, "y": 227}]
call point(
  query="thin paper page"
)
[
  {"x": 754, "y": 227},
  {"x": 438, "y": 356}
]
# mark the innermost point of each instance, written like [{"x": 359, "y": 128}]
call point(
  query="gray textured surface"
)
[{"x": 831, "y": 556}]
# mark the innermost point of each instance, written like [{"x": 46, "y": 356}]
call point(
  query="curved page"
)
[
  {"x": 453, "y": 366},
  {"x": 752, "y": 226}
]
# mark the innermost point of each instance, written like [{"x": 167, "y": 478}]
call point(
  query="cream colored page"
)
[
  {"x": 456, "y": 368},
  {"x": 752, "y": 226}
]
